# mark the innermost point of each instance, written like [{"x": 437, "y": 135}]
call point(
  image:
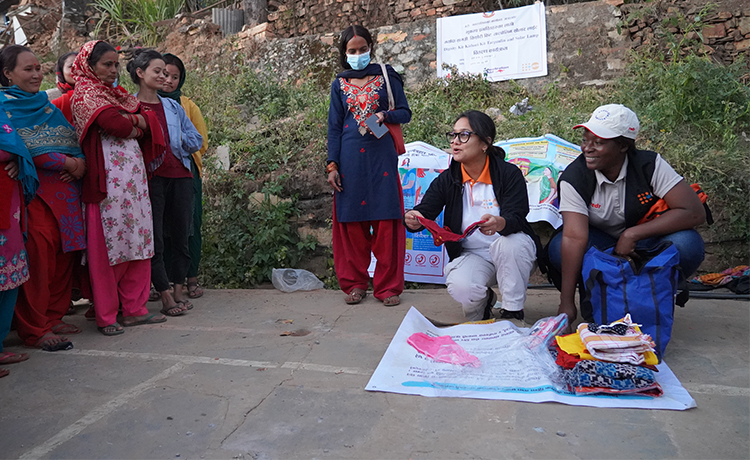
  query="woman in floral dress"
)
[{"x": 122, "y": 148}]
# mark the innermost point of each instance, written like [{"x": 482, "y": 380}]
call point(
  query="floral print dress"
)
[{"x": 126, "y": 211}]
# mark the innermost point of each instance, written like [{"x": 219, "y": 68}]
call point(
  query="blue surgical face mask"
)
[{"x": 358, "y": 61}]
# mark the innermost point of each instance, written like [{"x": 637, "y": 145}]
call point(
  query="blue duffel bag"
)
[{"x": 644, "y": 286}]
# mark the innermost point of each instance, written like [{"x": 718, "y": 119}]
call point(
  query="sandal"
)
[
  {"x": 176, "y": 310},
  {"x": 66, "y": 328},
  {"x": 392, "y": 301},
  {"x": 153, "y": 295},
  {"x": 12, "y": 358},
  {"x": 356, "y": 296},
  {"x": 117, "y": 329},
  {"x": 52, "y": 342},
  {"x": 195, "y": 290},
  {"x": 149, "y": 319},
  {"x": 4, "y": 372}
]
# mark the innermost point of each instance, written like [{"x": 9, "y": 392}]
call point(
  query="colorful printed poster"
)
[
  {"x": 541, "y": 159},
  {"x": 500, "y": 45},
  {"x": 418, "y": 167}
]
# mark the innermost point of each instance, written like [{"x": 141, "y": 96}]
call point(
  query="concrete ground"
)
[{"x": 223, "y": 382}]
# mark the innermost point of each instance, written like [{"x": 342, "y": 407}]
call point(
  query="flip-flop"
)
[
  {"x": 66, "y": 328},
  {"x": 153, "y": 295},
  {"x": 11, "y": 358},
  {"x": 186, "y": 303},
  {"x": 166, "y": 311},
  {"x": 111, "y": 333},
  {"x": 150, "y": 319},
  {"x": 4, "y": 372}
]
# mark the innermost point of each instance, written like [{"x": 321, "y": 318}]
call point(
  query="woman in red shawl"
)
[{"x": 123, "y": 144}]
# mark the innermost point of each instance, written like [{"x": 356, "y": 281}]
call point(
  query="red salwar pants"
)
[
  {"x": 127, "y": 283},
  {"x": 45, "y": 298},
  {"x": 352, "y": 244}
]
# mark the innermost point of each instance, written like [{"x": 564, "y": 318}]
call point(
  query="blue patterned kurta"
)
[{"x": 368, "y": 165}]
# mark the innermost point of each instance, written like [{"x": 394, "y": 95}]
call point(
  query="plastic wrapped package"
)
[{"x": 292, "y": 279}]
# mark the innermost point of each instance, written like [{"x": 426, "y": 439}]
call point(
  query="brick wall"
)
[{"x": 292, "y": 18}]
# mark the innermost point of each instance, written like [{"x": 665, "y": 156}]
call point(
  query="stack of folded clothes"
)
[{"x": 615, "y": 358}]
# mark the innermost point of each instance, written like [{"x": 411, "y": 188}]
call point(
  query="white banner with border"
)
[{"x": 501, "y": 45}]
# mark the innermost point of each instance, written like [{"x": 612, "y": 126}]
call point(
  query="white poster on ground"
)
[
  {"x": 501, "y": 45},
  {"x": 505, "y": 371},
  {"x": 418, "y": 167},
  {"x": 542, "y": 160}
]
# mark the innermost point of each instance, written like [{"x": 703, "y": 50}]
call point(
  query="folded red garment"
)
[{"x": 442, "y": 235}]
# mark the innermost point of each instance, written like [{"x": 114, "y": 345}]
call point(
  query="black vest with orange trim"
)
[{"x": 639, "y": 196}]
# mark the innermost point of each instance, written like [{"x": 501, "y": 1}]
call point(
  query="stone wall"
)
[
  {"x": 583, "y": 48},
  {"x": 725, "y": 33},
  {"x": 292, "y": 18}
]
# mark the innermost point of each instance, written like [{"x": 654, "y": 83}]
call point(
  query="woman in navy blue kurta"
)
[{"x": 363, "y": 171}]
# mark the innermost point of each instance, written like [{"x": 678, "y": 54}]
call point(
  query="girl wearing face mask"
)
[
  {"x": 171, "y": 187},
  {"x": 363, "y": 172},
  {"x": 55, "y": 231},
  {"x": 123, "y": 144}
]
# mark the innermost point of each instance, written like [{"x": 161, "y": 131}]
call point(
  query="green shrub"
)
[
  {"x": 692, "y": 111},
  {"x": 245, "y": 238}
]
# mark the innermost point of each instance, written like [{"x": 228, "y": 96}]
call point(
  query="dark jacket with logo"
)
[{"x": 446, "y": 191}]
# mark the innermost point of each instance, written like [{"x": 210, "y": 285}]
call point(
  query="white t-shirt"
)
[
  {"x": 478, "y": 199},
  {"x": 607, "y": 208}
]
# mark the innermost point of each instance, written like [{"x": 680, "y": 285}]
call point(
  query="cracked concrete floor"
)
[{"x": 222, "y": 382}]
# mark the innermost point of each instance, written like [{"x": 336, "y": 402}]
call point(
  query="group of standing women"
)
[
  {"x": 104, "y": 172},
  {"x": 603, "y": 196}
]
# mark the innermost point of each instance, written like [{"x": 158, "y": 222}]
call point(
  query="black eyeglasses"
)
[{"x": 463, "y": 136}]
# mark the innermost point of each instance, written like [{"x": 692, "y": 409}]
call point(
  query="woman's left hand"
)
[
  {"x": 12, "y": 168},
  {"x": 626, "y": 244},
  {"x": 492, "y": 224},
  {"x": 381, "y": 117}
]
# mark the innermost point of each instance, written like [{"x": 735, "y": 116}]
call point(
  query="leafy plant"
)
[{"x": 135, "y": 18}]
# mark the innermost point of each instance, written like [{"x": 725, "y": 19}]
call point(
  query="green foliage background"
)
[{"x": 692, "y": 111}]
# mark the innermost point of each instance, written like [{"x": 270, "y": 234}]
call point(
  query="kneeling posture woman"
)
[
  {"x": 480, "y": 185},
  {"x": 606, "y": 192}
]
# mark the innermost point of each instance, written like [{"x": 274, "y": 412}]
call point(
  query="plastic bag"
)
[{"x": 293, "y": 279}]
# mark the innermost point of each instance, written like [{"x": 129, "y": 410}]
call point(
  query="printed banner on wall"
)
[
  {"x": 501, "y": 45},
  {"x": 541, "y": 160},
  {"x": 418, "y": 167}
]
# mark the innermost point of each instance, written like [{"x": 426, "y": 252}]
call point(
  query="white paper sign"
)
[
  {"x": 505, "y": 371},
  {"x": 502, "y": 45}
]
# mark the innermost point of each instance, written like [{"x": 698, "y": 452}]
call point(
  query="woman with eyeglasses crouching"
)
[{"x": 479, "y": 185}]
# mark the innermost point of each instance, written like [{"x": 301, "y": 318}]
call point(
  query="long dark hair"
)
[
  {"x": 141, "y": 60},
  {"x": 99, "y": 50},
  {"x": 484, "y": 129},
  {"x": 349, "y": 33},
  {"x": 9, "y": 59}
]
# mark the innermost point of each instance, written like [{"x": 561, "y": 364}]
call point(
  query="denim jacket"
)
[{"x": 184, "y": 139}]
